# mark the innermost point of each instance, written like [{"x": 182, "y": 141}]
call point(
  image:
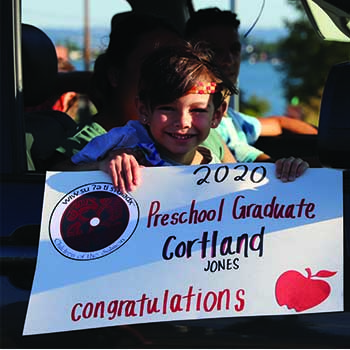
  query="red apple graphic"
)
[{"x": 300, "y": 292}]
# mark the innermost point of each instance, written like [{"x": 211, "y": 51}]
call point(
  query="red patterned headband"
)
[{"x": 203, "y": 88}]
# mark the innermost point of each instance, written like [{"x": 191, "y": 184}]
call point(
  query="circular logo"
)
[{"x": 92, "y": 221}]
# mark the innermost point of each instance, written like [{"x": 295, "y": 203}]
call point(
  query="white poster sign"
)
[{"x": 191, "y": 242}]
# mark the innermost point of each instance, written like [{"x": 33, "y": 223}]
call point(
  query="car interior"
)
[
  {"x": 29, "y": 75},
  {"x": 40, "y": 75}
]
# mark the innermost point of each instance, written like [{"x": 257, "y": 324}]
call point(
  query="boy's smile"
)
[{"x": 181, "y": 136}]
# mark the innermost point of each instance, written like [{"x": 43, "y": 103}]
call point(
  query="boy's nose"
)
[{"x": 183, "y": 120}]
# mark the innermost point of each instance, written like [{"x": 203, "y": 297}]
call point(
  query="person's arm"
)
[
  {"x": 228, "y": 157},
  {"x": 275, "y": 125},
  {"x": 264, "y": 158}
]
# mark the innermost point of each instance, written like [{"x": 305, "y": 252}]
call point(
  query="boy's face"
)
[
  {"x": 224, "y": 41},
  {"x": 179, "y": 127}
]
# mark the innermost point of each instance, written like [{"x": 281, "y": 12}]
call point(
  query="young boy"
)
[{"x": 182, "y": 95}]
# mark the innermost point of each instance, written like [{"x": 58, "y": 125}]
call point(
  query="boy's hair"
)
[
  {"x": 170, "y": 72},
  {"x": 209, "y": 17}
]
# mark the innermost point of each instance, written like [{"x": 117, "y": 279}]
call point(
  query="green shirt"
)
[
  {"x": 77, "y": 142},
  {"x": 215, "y": 143}
]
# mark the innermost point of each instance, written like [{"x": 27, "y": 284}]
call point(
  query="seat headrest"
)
[{"x": 39, "y": 64}]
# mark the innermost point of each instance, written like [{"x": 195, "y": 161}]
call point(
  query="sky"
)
[{"x": 69, "y": 13}]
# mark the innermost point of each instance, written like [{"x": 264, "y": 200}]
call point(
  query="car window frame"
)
[{"x": 12, "y": 138}]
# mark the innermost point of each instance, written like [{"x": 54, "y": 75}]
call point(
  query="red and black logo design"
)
[{"x": 92, "y": 221}]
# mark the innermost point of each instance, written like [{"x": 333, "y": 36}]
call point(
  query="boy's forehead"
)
[{"x": 202, "y": 99}]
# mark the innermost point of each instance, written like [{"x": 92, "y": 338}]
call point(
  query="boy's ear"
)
[
  {"x": 142, "y": 111},
  {"x": 218, "y": 114}
]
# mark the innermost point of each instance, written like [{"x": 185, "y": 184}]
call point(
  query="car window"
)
[
  {"x": 21, "y": 198},
  {"x": 79, "y": 32},
  {"x": 66, "y": 26}
]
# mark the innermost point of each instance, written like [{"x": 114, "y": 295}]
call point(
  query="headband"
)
[{"x": 203, "y": 88}]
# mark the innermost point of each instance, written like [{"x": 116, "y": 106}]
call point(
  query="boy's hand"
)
[
  {"x": 123, "y": 168},
  {"x": 288, "y": 169}
]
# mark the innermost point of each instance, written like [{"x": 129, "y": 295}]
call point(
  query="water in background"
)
[
  {"x": 265, "y": 81},
  {"x": 261, "y": 79}
]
